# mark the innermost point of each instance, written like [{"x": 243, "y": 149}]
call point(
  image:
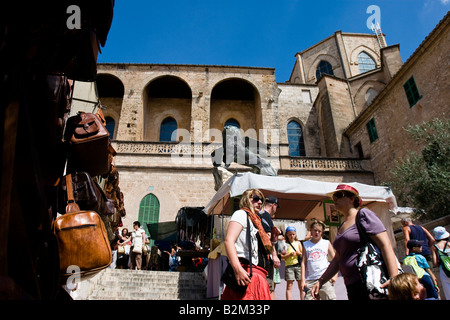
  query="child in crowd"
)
[
  {"x": 421, "y": 268},
  {"x": 292, "y": 259},
  {"x": 316, "y": 255},
  {"x": 406, "y": 286}
]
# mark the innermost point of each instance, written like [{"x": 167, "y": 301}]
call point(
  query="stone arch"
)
[
  {"x": 322, "y": 57},
  {"x": 362, "y": 48},
  {"x": 166, "y": 96},
  {"x": 238, "y": 99},
  {"x": 360, "y": 98},
  {"x": 109, "y": 85},
  {"x": 111, "y": 90}
]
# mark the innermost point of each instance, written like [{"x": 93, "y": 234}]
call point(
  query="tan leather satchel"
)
[
  {"x": 89, "y": 144},
  {"x": 82, "y": 239}
]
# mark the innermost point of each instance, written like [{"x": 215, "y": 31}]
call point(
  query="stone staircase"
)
[{"x": 121, "y": 284}]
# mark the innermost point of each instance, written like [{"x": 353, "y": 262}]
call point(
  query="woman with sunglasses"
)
[
  {"x": 347, "y": 202},
  {"x": 238, "y": 253}
]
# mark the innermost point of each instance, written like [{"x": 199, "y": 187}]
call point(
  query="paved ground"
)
[{"x": 280, "y": 289}]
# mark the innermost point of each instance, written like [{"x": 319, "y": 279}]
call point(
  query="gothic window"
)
[
  {"x": 232, "y": 122},
  {"x": 110, "y": 125},
  {"x": 365, "y": 62},
  {"x": 168, "y": 127},
  {"x": 371, "y": 94},
  {"x": 148, "y": 211},
  {"x": 324, "y": 67},
  {"x": 295, "y": 139}
]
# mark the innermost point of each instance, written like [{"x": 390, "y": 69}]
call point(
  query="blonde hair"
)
[
  {"x": 246, "y": 199},
  {"x": 403, "y": 286}
]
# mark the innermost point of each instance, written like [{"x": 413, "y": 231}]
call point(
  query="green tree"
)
[{"x": 422, "y": 180}]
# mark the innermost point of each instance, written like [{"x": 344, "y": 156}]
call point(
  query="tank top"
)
[
  {"x": 418, "y": 234},
  {"x": 292, "y": 260},
  {"x": 316, "y": 258}
]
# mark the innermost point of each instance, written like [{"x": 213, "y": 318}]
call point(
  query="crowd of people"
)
[
  {"x": 314, "y": 262},
  {"x": 132, "y": 250}
]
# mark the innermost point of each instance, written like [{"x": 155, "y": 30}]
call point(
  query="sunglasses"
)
[
  {"x": 257, "y": 198},
  {"x": 339, "y": 195}
]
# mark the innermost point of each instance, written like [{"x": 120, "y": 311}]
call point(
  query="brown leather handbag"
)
[
  {"x": 86, "y": 193},
  {"x": 89, "y": 144},
  {"x": 82, "y": 239}
]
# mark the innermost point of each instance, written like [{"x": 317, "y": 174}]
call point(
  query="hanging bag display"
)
[
  {"x": 87, "y": 194},
  {"x": 82, "y": 239}
]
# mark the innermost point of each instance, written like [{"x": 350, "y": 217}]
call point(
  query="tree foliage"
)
[{"x": 422, "y": 180}]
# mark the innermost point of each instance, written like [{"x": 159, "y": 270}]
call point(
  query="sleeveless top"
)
[
  {"x": 418, "y": 234},
  {"x": 316, "y": 258}
]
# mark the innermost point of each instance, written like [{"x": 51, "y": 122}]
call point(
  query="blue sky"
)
[{"x": 255, "y": 33}]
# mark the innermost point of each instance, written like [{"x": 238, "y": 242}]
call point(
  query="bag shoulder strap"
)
[
  {"x": 249, "y": 245},
  {"x": 363, "y": 235},
  {"x": 442, "y": 252},
  {"x": 291, "y": 245},
  {"x": 72, "y": 206}
]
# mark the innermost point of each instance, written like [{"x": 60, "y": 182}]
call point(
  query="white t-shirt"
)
[
  {"x": 137, "y": 237},
  {"x": 242, "y": 248},
  {"x": 316, "y": 258}
]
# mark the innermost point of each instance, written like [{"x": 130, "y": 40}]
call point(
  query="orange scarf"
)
[{"x": 263, "y": 235}]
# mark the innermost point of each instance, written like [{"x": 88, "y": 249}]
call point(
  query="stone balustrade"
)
[
  {"x": 324, "y": 164},
  {"x": 204, "y": 150}
]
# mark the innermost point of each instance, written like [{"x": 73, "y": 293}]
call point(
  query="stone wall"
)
[{"x": 391, "y": 110}]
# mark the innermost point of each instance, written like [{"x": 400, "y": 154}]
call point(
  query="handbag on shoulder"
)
[
  {"x": 82, "y": 239},
  {"x": 371, "y": 265}
]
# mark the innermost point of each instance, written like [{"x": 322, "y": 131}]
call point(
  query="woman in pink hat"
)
[{"x": 348, "y": 202}]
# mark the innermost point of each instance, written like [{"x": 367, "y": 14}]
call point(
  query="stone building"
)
[
  {"x": 418, "y": 92},
  {"x": 165, "y": 120}
]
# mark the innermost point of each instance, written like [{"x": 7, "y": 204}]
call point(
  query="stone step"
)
[
  {"x": 114, "y": 284},
  {"x": 149, "y": 284},
  {"x": 155, "y": 275},
  {"x": 151, "y": 277},
  {"x": 129, "y": 286},
  {"x": 146, "y": 296}
]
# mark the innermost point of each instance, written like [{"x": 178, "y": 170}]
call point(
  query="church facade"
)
[{"x": 338, "y": 118}]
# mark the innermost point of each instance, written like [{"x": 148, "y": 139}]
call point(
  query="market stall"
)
[{"x": 300, "y": 199}]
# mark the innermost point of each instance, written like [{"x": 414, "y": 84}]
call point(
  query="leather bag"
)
[
  {"x": 82, "y": 239},
  {"x": 87, "y": 194},
  {"x": 89, "y": 144}
]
